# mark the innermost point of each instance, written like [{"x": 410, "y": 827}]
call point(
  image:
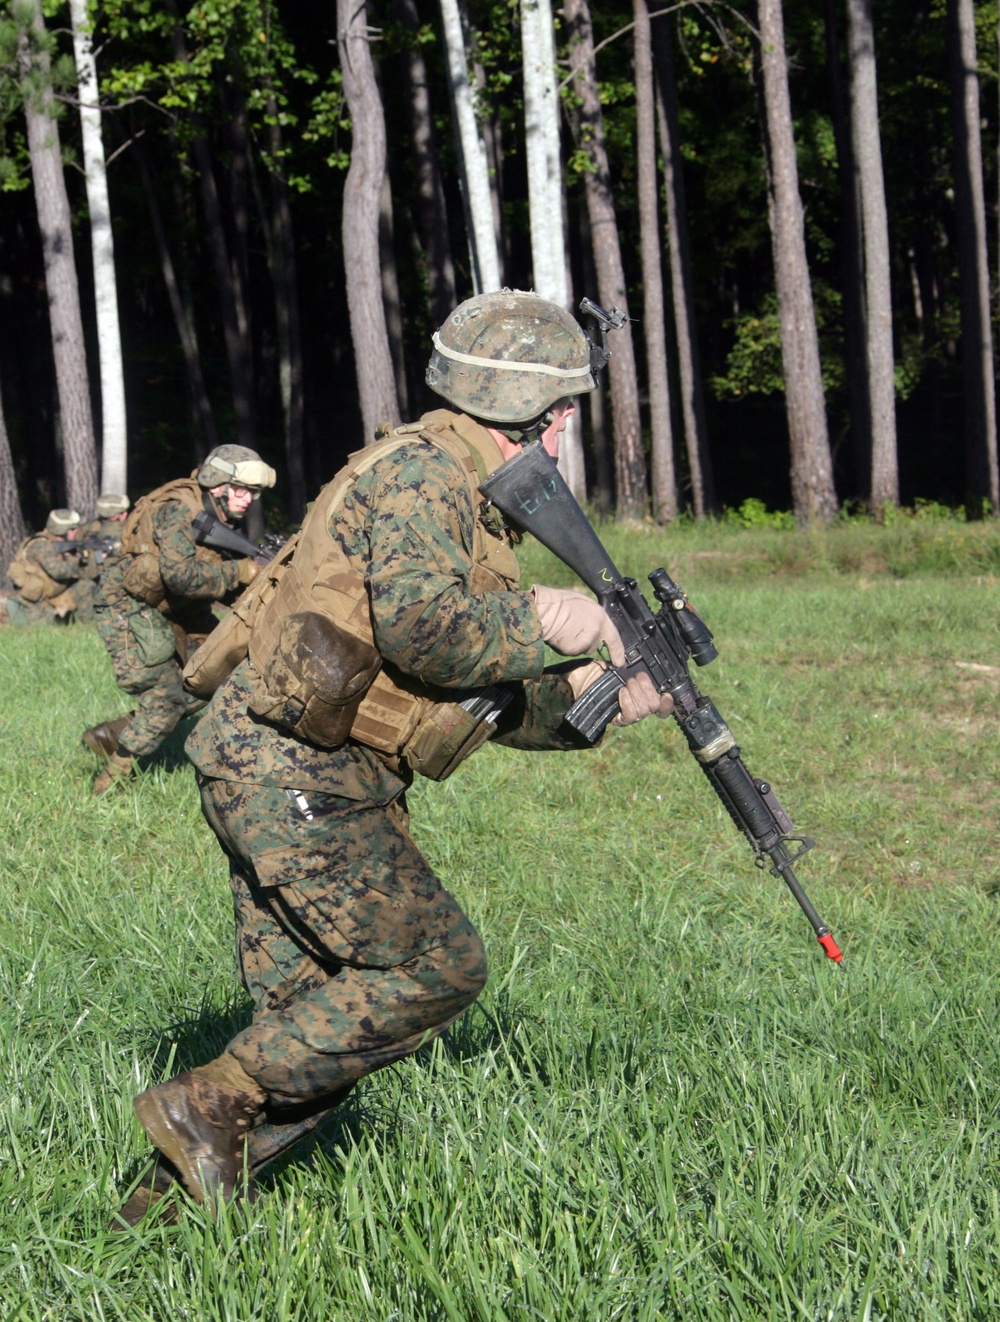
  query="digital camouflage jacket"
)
[{"x": 408, "y": 526}]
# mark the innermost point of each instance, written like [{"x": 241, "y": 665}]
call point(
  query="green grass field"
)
[{"x": 668, "y": 1103}]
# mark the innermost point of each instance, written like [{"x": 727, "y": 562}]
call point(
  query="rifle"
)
[
  {"x": 210, "y": 531},
  {"x": 530, "y": 492},
  {"x": 94, "y": 543}
]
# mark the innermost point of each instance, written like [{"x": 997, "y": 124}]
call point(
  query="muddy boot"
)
[
  {"x": 103, "y": 739},
  {"x": 119, "y": 768},
  {"x": 199, "y": 1121},
  {"x": 158, "y": 1179}
]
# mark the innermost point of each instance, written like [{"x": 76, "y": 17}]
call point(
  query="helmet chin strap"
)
[{"x": 527, "y": 431}]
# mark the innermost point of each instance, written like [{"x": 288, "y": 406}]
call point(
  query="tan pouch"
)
[
  {"x": 444, "y": 739},
  {"x": 315, "y": 678},
  {"x": 63, "y": 603},
  {"x": 142, "y": 579},
  {"x": 215, "y": 659},
  {"x": 31, "y": 587}
]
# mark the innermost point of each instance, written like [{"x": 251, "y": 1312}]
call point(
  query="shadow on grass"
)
[{"x": 332, "y": 1124}]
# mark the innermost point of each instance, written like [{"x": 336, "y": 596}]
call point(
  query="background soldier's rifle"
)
[
  {"x": 210, "y": 531},
  {"x": 531, "y": 493},
  {"x": 93, "y": 544}
]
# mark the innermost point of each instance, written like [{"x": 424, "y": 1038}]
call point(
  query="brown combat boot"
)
[
  {"x": 118, "y": 768},
  {"x": 199, "y": 1121},
  {"x": 103, "y": 739}
]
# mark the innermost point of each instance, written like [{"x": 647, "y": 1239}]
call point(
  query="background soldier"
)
[
  {"x": 107, "y": 526},
  {"x": 158, "y": 594},
  {"x": 54, "y": 579},
  {"x": 351, "y": 948}
]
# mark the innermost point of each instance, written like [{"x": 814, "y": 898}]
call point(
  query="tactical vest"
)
[
  {"x": 32, "y": 581},
  {"x": 142, "y": 578},
  {"x": 397, "y": 717}
]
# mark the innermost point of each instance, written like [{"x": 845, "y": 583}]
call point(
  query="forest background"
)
[{"x": 249, "y": 205}]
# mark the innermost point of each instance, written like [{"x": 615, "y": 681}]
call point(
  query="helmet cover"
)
[
  {"x": 110, "y": 503},
  {"x": 62, "y": 521},
  {"x": 238, "y": 464},
  {"x": 508, "y": 356}
]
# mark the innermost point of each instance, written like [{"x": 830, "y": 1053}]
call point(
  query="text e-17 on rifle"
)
[{"x": 532, "y": 495}]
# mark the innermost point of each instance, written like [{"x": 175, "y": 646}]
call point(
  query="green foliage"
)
[
  {"x": 754, "y": 364},
  {"x": 753, "y": 513},
  {"x": 667, "y": 1103}
]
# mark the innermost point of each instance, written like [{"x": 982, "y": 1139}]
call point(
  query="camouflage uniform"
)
[
  {"x": 192, "y": 583},
  {"x": 352, "y": 950},
  {"x": 67, "y": 567}
]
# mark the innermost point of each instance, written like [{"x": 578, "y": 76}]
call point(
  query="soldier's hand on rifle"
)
[
  {"x": 574, "y": 624},
  {"x": 249, "y": 570},
  {"x": 637, "y": 699}
]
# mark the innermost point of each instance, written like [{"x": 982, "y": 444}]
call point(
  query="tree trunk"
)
[
  {"x": 201, "y": 408},
  {"x": 664, "y": 481},
  {"x": 474, "y": 175},
  {"x": 630, "y": 462},
  {"x": 545, "y": 194},
  {"x": 974, "y": 288},
  {"x": 286, "y": 304},
  {"x": 114, "y": 446},
  {"x": 878, "y": 290},
  {"x": 813, "y": 494},
  {"x": 12, "y": 527},
  {"x": 391, "y": 300},
  {"x": 360, "y": 222},
  {"x": 851, "y": 264},
  {"x": 432, "y": 210},
  {"x": 65, "y": 321},
  {"x": 594, "y": 401},
  {"x": 681, "y": 275}
]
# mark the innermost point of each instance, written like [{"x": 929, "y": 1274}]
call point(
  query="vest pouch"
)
[
  {"x": 446, "y": 736},
  {"x": 142, "y": 579},
  {"x": 31, "y": 586},
  {"x": 152, "y": 635},
  {"x": 217, "y": 656},
  {"x": 313, "y": 682}
]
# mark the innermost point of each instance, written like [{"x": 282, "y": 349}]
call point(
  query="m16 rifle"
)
[
  {"x": 531, "y": 494},
  {"x": 94, "y": 545},
  {"x": 210, "y": 531}
]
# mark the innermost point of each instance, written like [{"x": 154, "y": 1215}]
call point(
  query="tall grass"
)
[{"x": 667, "y": 1104}]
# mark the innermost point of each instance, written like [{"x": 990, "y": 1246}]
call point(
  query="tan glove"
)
[
  {"x": 248, "y": 571},
  {"x": 639, "y": 698},
  {"x": 574, "y": 624}
]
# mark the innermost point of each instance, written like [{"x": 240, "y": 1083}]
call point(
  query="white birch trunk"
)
[
  {"x": 114, "y": 437},
  {"x": 545, "y": 194},
  {"x": 475, "y": 175},
  {"x": 875, "y": 222}
]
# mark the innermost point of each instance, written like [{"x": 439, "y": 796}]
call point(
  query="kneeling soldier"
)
[{"x": 54, "y": 578}]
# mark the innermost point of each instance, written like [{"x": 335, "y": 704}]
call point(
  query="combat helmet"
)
[
  {"x": 111, "y": 503},
  {"x": 509, "y": 356},
  {"x": 62, "y": 521},
  {"x": 235, "y": 463}
]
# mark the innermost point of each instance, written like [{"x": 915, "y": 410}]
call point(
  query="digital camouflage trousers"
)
[
  {"x": 353, "y": 952},
  {"x": 161, "y": 702}
]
